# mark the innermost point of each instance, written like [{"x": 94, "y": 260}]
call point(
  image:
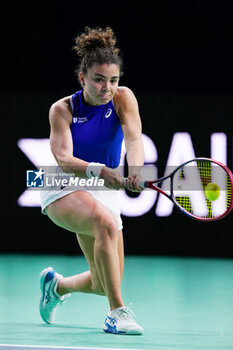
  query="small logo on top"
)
[
  {"x": 80, "y": 120},
  {"x": 108, "y": 113}
]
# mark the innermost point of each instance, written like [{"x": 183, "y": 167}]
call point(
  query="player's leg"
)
[
  {"x": 89, "y": 281},
  {"x": 80, "y": 212}
]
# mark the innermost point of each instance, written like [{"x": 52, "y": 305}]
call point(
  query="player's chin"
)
[{"x": 104, "y": 99}]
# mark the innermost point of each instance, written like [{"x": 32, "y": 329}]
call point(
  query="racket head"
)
[{"x": 189, "y": 191}]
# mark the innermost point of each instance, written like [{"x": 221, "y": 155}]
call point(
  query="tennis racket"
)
[{"x": 201, "y": 188}]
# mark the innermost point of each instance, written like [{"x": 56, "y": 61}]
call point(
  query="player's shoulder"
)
[
  {"x": 61, "y": 109},
  {"x": 124, "y": 98},
  {"x": 123, "y": 92},
  {"x": 61, "y": 105}
]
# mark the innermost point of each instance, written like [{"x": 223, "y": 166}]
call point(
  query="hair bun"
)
[{"x": 93, "y": 39}]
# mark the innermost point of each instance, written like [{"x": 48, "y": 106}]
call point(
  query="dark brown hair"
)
[{"x": 97, "y": 45}]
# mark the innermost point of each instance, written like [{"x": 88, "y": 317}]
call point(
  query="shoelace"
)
[{"x": 125, "y": 313}]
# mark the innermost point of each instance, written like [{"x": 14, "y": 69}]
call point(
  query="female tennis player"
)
[{"x": 87, "y": 130}]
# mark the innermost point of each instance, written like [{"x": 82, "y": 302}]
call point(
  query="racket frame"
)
[{"x": 151, "y": 185}]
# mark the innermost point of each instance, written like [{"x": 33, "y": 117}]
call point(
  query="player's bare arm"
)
[
  {"x": 61, "y": 144},
  {"x": 127, "y": 109}
]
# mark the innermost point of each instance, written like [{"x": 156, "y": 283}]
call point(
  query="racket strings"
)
[
  {"x": 229, "y": 191},
  {"x": 196, "y": 176}
]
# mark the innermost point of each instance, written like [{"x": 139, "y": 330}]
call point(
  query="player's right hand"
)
[{"x": 112, "y": 178}]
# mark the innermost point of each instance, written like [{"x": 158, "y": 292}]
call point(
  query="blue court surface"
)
[{"x": 182, "y": 304}]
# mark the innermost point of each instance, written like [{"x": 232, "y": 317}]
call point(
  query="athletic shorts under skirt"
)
[{"x": 109, "y": 198}]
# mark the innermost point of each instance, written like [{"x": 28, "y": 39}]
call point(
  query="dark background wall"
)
[{"x": 178, "y": 59}]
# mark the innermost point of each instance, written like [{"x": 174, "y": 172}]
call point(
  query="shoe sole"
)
[{"x": 129, "y": 332}]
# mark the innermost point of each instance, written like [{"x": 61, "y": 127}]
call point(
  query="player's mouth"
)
[{"x": 105, "y": 96}]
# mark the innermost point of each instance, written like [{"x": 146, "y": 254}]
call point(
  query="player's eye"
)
[
  {"x": 98, "y": 80},
  {"x": 114, "y": 81}
]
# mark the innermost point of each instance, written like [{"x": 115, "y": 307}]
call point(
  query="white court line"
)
[{"x": 38, "y": 347}]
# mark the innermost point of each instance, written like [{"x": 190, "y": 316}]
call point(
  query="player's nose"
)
[{"x": 106, "y": 86}]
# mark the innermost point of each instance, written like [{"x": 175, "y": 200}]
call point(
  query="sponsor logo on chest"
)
[
  {"x": 108, "y": 113},
  {"x": 80, "y": 120}
]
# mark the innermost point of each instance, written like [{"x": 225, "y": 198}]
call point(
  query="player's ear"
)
[{"x": 81, "y": 79}]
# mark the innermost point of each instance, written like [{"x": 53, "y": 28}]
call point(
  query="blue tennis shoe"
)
[{"x": 49, "y": 301}]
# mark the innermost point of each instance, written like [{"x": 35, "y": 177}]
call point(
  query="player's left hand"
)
[{"x": 132, "y": 183}]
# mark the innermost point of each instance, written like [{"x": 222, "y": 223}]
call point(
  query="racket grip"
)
[{"x": 142, "y": 184}]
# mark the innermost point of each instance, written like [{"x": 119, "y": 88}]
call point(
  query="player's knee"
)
[{"x": 107, "y": 225}]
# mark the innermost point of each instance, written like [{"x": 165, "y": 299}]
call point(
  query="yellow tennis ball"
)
[{"x": 212, "y": 191}]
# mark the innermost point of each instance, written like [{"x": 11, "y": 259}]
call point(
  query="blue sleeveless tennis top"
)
[{"x": 96, "y": 132}]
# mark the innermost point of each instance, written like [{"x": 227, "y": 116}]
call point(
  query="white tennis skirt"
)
[{"x": 109, "y": 198}]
